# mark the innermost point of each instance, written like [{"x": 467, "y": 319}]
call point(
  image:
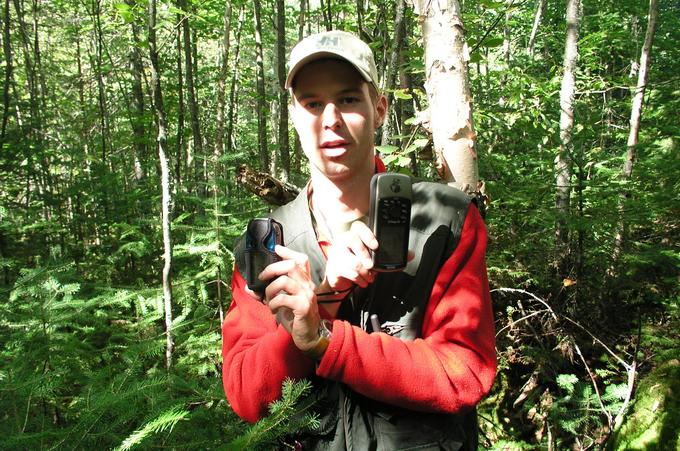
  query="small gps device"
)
[
  {"x": 390, "y": 219},
  {"x": 262, "y": 236}
]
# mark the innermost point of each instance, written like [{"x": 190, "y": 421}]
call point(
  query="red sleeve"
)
[
  {"x": 453, "y": 366},
  {"x": 258, "y": 355}
]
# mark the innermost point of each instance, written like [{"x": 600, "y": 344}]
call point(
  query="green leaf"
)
[
  {"x": 402, "y": 94},
  {"x": 125, "y": 11},
  {"x": 475, "y": 58},
  {"x": 491, "y": 4},
  {"x": 492, "y": 42},
  {"x": 386, "y": 150},
  {"x": 567, "y": 382}
]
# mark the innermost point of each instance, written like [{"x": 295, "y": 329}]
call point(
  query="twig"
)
[
  {"x": 538, "y": 312},
  {"x": 631, "y": 378},
  {"x": 619, "y": 359},
  {"x": 597, "y": 391},
  {"x": 516, "y": 290},
  {"x": 597, "y": 340},
  {"x": 491, "y": 28}
]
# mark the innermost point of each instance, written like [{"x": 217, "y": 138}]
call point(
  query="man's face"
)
[{"x": 335, "y": 118}]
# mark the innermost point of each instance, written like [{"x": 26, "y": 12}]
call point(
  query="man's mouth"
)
[
  {"x": 334, "y": 148},
  {"x": 334, "y": 144}
]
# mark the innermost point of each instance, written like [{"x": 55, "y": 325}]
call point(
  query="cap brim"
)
[{"x": 292, "y": 72}]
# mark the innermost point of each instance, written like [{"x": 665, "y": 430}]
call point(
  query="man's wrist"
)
[
  {"x": 317, "y": 351},
  {"x": 326, "y": 294}
]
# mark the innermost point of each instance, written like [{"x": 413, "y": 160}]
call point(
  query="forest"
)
[{"x": 135, "y": 133}]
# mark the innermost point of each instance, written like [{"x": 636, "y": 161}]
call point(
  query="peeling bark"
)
[{"x": 448, "y": 92}]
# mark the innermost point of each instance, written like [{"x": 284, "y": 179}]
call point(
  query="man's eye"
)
[
  {"x": 313, "y": 105},
  {"x": 348, "y": 100}
]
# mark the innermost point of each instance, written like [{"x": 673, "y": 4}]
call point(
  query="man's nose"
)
[{"x": 331, "y": 116}]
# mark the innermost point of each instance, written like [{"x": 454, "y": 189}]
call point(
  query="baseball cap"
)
[{"x": 333, "y": 44}]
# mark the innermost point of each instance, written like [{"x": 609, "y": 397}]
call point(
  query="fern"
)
[
  {"x": 167, "y": 420},
  {"x": 287, "y": 415}
]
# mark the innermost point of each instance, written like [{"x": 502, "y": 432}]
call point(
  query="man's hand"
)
[
  {"x": 291, "y": 297},
  {"x": 349, "y": 259}
]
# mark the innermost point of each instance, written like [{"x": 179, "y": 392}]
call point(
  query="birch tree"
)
[
  {"x": 7, "y": 52},
  {"x": 563, "y": 161},
  {"x": 635, "y": 118},
  {"x": 161, "y": 143},
  {"x": 448, "y": 93},
  {"x": 540, "y": 11}
]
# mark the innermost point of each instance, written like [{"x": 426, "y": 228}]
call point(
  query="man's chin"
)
[
  {"x": 334, "y": 170},
  {"x": 334, "y": 153}
]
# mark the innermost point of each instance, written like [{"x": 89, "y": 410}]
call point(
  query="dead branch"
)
[{"x": 264, "y": 185}]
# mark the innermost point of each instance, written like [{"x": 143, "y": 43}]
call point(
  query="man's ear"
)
[
  {"x": 380, "y": 110},
  {"x": 292, "y": 111}
]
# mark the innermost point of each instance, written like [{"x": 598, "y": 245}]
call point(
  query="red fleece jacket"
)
[{"x": 449, "y": 369}]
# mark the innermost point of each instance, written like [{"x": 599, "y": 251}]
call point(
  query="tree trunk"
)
[
  {"x": 507, "y": 44},
  {"x": 7, "y": 51},
  {"x": 301, "y": 19},
  {"x": 284, "y": 147},
  {"x": 231, "y": 114},
  {"x": 35, "y": 149},
  {"x": 540, "y": 11},
  {"x": 448, "y": 93},
  {"x": 409, "y": 108},
  {"x": 137, "y": 69},
  {"x": 261, "y": 96},
  {"x": 297, "y": 146},
  {"x": 161, "y": 141},
  {"x": 101, "y": 85},
  {"x": 221, "y": 88},
  {"x": 42, "y": 85},
  {"x": 635, "y": 116},
  {"x": 360, "y": 17},
  {"x": 327, "y": 10},
  {"x": 393, "y": 70},
  {"x": 179, "y": 141},
  {"x": 563, "y": 162},
  {"x": 191, "y": 92}
]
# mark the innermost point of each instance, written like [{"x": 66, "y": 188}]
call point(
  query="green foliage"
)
[
  {"x": 81, "y": 305},
  {"x": 579, "y": 410},
  {"x": 654, "y": 421},
  {"x": 166, "y": 420},
  {"x": 290, "y": 413}
]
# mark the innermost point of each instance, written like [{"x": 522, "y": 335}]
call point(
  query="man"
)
[{"x": 415, "y": 382}]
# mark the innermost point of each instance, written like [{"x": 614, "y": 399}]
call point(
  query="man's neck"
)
[{"x": 344, "y": 200}]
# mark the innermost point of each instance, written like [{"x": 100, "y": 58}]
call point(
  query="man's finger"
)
[
  {"x": 289, "y": 254},
  {"x": 359, "y": 249},
  {"x": 365, "y": 234},
  {"x": 277, "y": 269}
]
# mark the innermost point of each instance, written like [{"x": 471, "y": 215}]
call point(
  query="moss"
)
[{"x": 654, "y": 421}]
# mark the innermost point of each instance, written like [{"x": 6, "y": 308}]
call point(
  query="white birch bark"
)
[
  {"x": 635, "y": 117},
  {"x": 448, "y": 92},
  {"x": 540, "y": 9},
  {"x": 161, "y": 142},
  {"x": 563, "y": 161}
]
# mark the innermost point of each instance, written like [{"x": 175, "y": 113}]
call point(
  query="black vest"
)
[{"x": 399, "y": 299}]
